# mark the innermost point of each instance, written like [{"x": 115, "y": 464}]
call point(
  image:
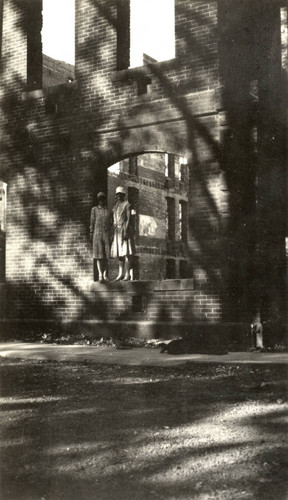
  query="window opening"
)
[
  {"x": 142, "y": 85},
  {"x": 182, "y": 173},
  {"x": 50, "y": 107},
  {"x": 166, "y": 165},
  {"x": 170, "y": 219},
  {"x": 152, "y": 31},
  {"x": 58, "y": 44},
  {"x": 183, "y": 269},
  {"x": 182, "y": 221},
  {"x": 123, "y": 34},
  {"x": 133, "y": 165},
  {"x": 170, "y": 269},
  {"x": 34, "y": 44},
  {"x": 171, "y": 166},
  {"x": 182, "y": 169},
  {"x": 170, "y": 169},
  {"x": 138, "y": 303}
]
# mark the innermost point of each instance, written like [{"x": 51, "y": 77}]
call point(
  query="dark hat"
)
[{"x": 101, "y": 195}]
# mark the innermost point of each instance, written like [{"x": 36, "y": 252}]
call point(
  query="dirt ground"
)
[{"x": 82, "y": 431}]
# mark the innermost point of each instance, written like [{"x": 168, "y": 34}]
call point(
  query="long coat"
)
[
  {"x": 122, "y": 242},
  {"x": 100, "y": 230}
]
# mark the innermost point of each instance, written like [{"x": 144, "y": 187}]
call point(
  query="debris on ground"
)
[{"x": 123, "y": 339}]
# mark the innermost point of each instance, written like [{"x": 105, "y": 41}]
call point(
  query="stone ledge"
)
[{"x": 142, "y": 287}]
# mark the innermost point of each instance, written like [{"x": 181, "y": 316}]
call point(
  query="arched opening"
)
[{"x": 156, "y": 186}]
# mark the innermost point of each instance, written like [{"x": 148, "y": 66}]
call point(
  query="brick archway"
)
[
  {"x": 157, "y": 187},
  {"x": 135, "y": 139}
]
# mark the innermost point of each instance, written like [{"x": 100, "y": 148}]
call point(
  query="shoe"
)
[
  {"x": 119, "y": 278},
  {"x": 127, "y": 278}
]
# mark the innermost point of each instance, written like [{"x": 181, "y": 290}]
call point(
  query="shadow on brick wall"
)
[{"x": 53, "y": 177}]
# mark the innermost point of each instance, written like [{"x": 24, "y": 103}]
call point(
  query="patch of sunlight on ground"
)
[
  {"x": 5, "y": 443},
  {"x": 129, "y": 381},
  {"x": 82, "y": 411},
  {"x": 75, "y": 448},
  {"x": 15, "y": 400}
]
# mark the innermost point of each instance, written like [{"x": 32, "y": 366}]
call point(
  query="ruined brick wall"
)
[
  {"x": 162, "y": 119},
  {"x": 60, "y": 142},
  {"x": 46, "y": 224}
]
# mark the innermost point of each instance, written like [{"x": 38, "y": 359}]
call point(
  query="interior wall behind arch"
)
[{"x": 156, "y": 186}]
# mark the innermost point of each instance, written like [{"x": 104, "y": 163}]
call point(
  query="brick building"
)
[{"x": 211, "y": 231}]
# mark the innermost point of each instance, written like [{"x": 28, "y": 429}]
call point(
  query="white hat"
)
[{"x": 120, "y": 189}]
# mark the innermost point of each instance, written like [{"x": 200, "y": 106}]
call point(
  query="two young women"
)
[{"x": 104, "y": 226}]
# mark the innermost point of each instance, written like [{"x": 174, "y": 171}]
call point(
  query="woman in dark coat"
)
[{"x": 100, "y": 229}]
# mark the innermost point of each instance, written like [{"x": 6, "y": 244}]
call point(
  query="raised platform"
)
[
  {"x": 144, "y": 309},
  {"x": 170, "y": 301},
  {"x": 143, "y": 286}
]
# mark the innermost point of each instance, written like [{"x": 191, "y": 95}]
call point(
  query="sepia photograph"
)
[{"x": 143, "y": 249}]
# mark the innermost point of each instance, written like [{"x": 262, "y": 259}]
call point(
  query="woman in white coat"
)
[{"x": 122, "y": 242}]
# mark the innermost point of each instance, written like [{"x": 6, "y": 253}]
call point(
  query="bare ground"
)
[{"x": 83, "y": 431}]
